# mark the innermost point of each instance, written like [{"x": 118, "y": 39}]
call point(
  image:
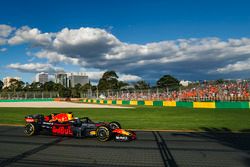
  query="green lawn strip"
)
[{"x": 152, "y": 118}]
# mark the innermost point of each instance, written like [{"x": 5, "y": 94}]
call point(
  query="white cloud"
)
[
  {"x": 3, "y": 49},
  {"x": 55, "y": 57},
  {"x": 83, "y": 36},
  {"x": 2, "y": 41},
  {"x": 5, "y": 30},
  {"x": 99, "y": 49},
  {"x": 96, "y": 75},
  {"x": 34, "y": 67},
  {"x": 87, "y": 44},
  {"x": 34, "y": 36},
  {"x": 238, "y": 66},
  {"x": 128, "y": 77}
]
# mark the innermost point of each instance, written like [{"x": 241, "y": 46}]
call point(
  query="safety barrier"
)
[{"x": 243, "y": 105}]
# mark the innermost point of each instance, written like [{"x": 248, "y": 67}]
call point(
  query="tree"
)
[
  {"x": 86, "y": 87},
  {"x": 142, "y": 85},
  {"x": 26, "y": 87},
  {"x": 103, "y": 84},
  {"x": 20, "y": 85},
  {"x": 16, "y": 85},
  {"x": 58, "y": 87},
  {"x": 48, "y": 86},
  {"x": 219, "y": 81},
  {"x": 94, "y": 88},
  {"x": 168, "y": 82},
  {"x": 1, "y": 85},
  {"x": 75, "y": 92},
  {"x": 122, "y": 84},
  {"x": 65, "y": 92},
  {"x": 109, "y": 75},
  {"x": 109, "y": 80},
  {"x": 78, "y": 86},
  {"x": 35, "y": 86}
]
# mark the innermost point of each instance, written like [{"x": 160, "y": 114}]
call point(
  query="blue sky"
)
[{"x": 190, "y": 39}]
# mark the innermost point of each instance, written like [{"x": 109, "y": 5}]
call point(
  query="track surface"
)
[{"x": 151, "y": 149}]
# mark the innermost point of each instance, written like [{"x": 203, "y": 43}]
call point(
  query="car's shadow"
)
[{"x": 224, "y": 136}]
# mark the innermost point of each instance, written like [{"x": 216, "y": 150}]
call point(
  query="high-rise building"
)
[
  {"x": 7, "y": 81},
  {"x": 75, "y": 79},
  {"x": 62, "y": 79},
  {"x": 42, "y": 77},
  {"x": 71, "y": 79}
]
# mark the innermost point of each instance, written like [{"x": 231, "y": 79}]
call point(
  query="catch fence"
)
[
  {"x": 28, "y": 95},
  {"x": 159, "y": 94}
]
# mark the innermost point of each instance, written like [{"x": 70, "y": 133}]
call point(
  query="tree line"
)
[{"x": 108, "y": 81}]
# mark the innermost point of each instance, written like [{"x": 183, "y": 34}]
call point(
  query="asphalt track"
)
[{"x": 150, "y": 149}]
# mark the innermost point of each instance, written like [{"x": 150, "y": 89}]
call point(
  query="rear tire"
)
[
  {"x": 103, "y": 133},
  {"x": 29, "y": 129}
]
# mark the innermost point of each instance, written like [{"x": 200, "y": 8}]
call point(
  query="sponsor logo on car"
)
[{"x": 121, "y": 137}]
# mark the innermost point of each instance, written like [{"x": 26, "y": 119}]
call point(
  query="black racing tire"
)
[
  {"x": 103, "y": 133},
  {"x": 29, "y": 129},
  {"x": 115, "y": 125}
]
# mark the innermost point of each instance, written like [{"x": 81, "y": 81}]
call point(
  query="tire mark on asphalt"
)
[
  {"x": 29, "y": 153},
  {"x": 166, "y": 155}
]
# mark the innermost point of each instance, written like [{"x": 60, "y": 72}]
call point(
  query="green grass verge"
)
[{"x": 165, "y": 118}]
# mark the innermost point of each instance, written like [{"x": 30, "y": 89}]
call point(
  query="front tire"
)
[
  {"x": 115, "y": 125},
  {"x": 29, "y": 129},
  {"x": 103, "y": 133}
]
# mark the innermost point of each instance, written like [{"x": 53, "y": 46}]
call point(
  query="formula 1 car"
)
[{"x": 63, "y": 124}]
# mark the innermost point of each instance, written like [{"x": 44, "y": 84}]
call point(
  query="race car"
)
[{"x": 64, "y": 124}]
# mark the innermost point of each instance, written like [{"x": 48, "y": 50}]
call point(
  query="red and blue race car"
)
[{"x": 64, "y": 124}]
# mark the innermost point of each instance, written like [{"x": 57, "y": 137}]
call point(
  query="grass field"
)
[{"x": 164, "y": 118}]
